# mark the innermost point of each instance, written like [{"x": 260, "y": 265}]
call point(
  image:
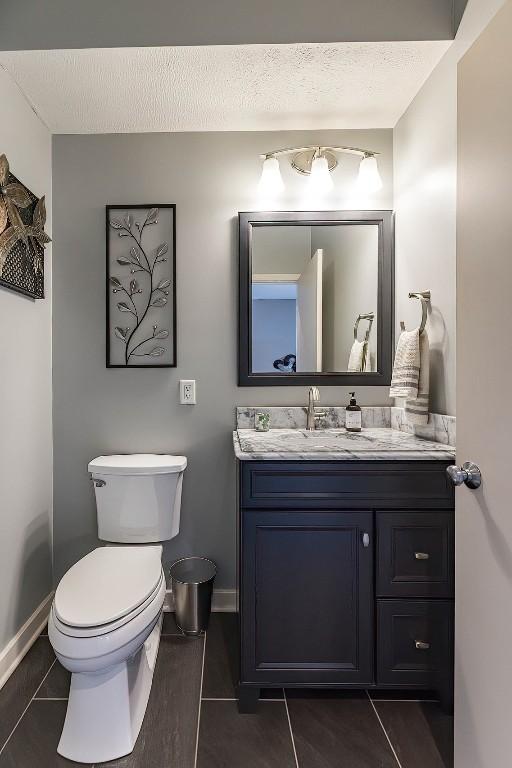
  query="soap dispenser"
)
[{"x": 353, "y": 415}]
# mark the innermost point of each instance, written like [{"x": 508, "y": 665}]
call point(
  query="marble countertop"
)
[{"x": 379, "y": 443}]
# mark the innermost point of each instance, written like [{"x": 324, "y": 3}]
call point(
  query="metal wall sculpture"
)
[
  {"x": 141, "y": 286},
  {"x": 22, "y": 235}
]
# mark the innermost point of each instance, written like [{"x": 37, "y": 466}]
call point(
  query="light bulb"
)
[
  {"x": 369, "y": 179},
  {"x": 271, "y": 182},
  {"x": 320, "y": 179}
]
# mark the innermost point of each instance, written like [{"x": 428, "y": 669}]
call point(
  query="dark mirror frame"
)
[{"x": 385, "y": 299}]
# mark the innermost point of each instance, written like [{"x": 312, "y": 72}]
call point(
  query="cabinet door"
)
[{"x": 307, "y": 597}]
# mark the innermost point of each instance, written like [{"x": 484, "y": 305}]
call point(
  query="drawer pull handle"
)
[
  {"x": 420, "y": 646},
  {"x": 421, "y": 555},
  {"x": 366, "y": 539}
]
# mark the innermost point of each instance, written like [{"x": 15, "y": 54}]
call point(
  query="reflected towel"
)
[
  {"x": 357, "y": 354},
  {"x": 410, "y": 378}
]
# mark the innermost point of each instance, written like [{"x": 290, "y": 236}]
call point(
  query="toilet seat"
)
[
  {"x": 97, "y": 648},
  {"x": 107, "y": 588},
  {"x": 103, "y": 629}
]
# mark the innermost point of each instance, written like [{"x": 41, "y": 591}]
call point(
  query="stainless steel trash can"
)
[{"x": 192, "y": 583}]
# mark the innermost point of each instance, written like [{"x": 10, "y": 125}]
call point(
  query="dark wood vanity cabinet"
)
[{"x": 345, "y": 576}]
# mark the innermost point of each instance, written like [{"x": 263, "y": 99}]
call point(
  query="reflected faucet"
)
[{"x": 314, "y": 397}]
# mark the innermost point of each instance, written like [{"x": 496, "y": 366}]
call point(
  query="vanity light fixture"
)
[{"x": 318, "y": 162}]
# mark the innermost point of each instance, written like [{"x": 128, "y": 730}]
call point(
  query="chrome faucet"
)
[{"x": 314, "y": 397}]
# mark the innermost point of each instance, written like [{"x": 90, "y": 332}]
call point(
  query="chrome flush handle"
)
[
  {"x": 98, "y": 482},
  {"x": 469, "y": 474}
]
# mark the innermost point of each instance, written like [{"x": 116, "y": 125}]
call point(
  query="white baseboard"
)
[
  {"x": 223, "y": 600},
  {"x": 21, "y": 643}
]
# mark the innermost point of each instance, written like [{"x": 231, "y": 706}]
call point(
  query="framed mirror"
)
[{"x": 315, "y": 298}]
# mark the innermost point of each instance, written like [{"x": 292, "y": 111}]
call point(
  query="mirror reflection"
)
[{"x": 314, "y": 291}]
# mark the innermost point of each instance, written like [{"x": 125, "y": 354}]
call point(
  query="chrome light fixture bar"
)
[{"x": 318, "y": 162}]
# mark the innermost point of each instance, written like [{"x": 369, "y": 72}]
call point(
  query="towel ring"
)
[
  {"x": 424, "y": 297},
  {"x": 369, "y": 316}
]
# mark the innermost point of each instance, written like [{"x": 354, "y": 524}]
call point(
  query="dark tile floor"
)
[{"x": 192, "y": 719}]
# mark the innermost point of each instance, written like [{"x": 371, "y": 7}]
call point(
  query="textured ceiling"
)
[{"x": 223, "y": 88}]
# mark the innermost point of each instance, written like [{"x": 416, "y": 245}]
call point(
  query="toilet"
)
[{"x": 106, "y": 617}]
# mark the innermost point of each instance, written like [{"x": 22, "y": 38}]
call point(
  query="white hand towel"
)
[
  {"x": 355, "y": 361},
  {"x": 410, "y": 378},
  {"x": 416, "y": 408},
  {"x": 406, "y": 368}
]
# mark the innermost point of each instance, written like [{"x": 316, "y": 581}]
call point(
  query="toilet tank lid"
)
[{"x": 138, "y": 464}]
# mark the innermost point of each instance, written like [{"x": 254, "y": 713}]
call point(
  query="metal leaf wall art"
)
[
  {"x": 22, "y": 235},
  {"x": 141, "y": 319}
]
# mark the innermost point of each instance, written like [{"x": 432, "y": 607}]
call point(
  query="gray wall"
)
[
  {"x": 274, "y": 326},
  {"x": 25, "y": 394},
  {"x": 425, "y": 170},
  {"x": 210, "y": 177},
  {"x": 31, "y": 24}
]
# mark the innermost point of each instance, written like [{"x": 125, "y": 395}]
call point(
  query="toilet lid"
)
[{"x": 107, "y": 584}]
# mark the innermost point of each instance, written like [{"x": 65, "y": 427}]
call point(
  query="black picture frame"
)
[
  {"x": 385, "y": 300},
  {"x": 140, "y": 206}
]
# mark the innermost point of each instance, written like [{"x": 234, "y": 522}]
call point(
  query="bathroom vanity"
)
[{"x": 346, "y": 561}]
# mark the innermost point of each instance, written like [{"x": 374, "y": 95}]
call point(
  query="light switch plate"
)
[{"x": 187, "y": 391}]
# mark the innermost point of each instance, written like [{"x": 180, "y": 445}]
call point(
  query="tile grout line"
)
[
  {"x": 200, "y": 701},
  {"x": 385, "y": 732},
  {"x": 216, "y": 698},
  {"x": 408, "y": 701},
  {"x": 260, "y": 701},
  {"x": 291, "y": 730},
  {"x": 50, "y": 698},
  {"x": 28, "y": 705}
]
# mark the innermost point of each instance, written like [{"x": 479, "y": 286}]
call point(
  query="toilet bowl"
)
[{"x": 106, "y": 617}]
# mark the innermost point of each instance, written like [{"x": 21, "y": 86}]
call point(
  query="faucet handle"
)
[{"x": 314, "y": 393}]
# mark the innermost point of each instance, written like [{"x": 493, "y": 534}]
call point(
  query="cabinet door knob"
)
[
  {"x": 366, "y": 539},
  {"x": 421, "y": 555},
  {"x": 420, "y": 646}
]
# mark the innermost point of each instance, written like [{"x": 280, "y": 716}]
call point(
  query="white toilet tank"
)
[{"x": 138, "y": 496}]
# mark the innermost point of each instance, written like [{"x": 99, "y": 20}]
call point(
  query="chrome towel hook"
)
[{"x": 424, "y": 297}]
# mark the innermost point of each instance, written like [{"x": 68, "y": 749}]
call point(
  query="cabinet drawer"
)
[
  {"x": 415, "y": 556},
  {"x": 345, "y": 485},
  {"x": 414, "y": 643}
]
